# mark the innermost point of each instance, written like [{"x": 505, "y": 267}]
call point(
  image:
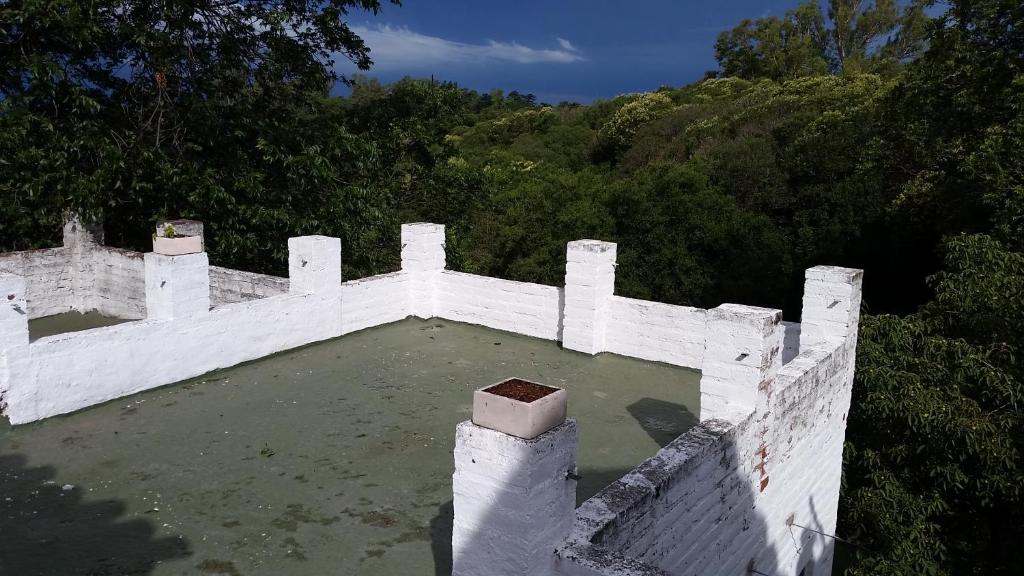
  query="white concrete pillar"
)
[
  {"x": 13, "y": 311},
  {"x": 177, "y": 286},
  {"x": 831, "y": 304},
  {"x": 423, "y": 258},
  {"x": 514, "y": 500},
  {"x": 314, "y": 264},
  {"x": 589, "y": 285},
  {"x": 742, "y": 355}
]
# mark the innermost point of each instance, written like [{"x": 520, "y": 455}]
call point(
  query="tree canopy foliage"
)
[
  {"x": 862, "y": 134},
  {"x": 213, "y": 109},
  {"x": 849, "y": 36}
]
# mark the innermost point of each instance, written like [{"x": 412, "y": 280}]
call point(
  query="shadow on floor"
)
[
  {"x": 663, "y": 421},
  {"x": 441, "y": 538},
  {"x": 46, "y": 529}
]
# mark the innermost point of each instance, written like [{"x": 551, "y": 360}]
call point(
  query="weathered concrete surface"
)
[{"x": 331, "y": 459}]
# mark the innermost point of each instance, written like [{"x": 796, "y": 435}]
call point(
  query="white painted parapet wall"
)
[
  {"x": 727, "y": 497},
  {"x": 182, "y": 336},
  {"x": 13, "y": 324},
  {"x": 80, "y": 275},
  {"x": 584, "y": 315},
  {"x": 753, "y": 489}
]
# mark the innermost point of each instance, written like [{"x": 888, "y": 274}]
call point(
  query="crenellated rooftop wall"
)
[{"x": 735, "y": 494}]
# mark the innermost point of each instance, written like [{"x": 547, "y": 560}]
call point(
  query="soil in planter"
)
[{"x": 521, "y": 390}]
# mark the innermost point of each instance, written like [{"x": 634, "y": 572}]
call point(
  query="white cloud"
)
[{"x": 402, "y": 48}]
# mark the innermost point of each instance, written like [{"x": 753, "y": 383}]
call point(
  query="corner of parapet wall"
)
[
  {"x": 612, "y": 528},
  {"x": 777, "y": 458}
]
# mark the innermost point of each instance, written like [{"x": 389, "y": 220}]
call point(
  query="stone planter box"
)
[
  {"x": 177, "y": 245},
  {"x": 519, "y": 407},
  {"x": 177, "y": 237}
]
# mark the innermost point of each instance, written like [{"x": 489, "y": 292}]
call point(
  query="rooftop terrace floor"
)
[
  {"x": 68, "y": 322},
  {"x": 332, "y": 459}
]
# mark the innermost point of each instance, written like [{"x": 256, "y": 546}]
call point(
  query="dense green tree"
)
[
  {"x": 684, "y": 241},
  {"x": 128, "y": 111},
  {"x": 532, "y": 211},
  {"x": 777, "y": 48},
  {"x": 616, "y": 135},
  {"x": 955, "y": 122},
  {"x": 934, "y": 468},
  {"x": 856, "y": 36},
  {"x": 936, "y": 431}
]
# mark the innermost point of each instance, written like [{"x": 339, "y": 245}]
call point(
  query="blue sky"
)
[{"x": 557, "y": 49}]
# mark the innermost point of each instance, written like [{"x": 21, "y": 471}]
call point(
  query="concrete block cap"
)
[{"x": 519, "y": 407}]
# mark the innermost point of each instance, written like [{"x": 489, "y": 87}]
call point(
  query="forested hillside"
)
[{"x": 873, "y": 137}]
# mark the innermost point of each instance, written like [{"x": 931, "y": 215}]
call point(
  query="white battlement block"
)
[
  {"x": 514, "y": 500},
  {"x": 423, "y": 258},
  {"x": 589, "y": 285},
  {"x": 423, "y": 247},
  {"x": 177, "y": 286},
  {"x": 314, "y": 264},
  {"x": 831, "y": 304},
  {"x": 742, "y": 355}
]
